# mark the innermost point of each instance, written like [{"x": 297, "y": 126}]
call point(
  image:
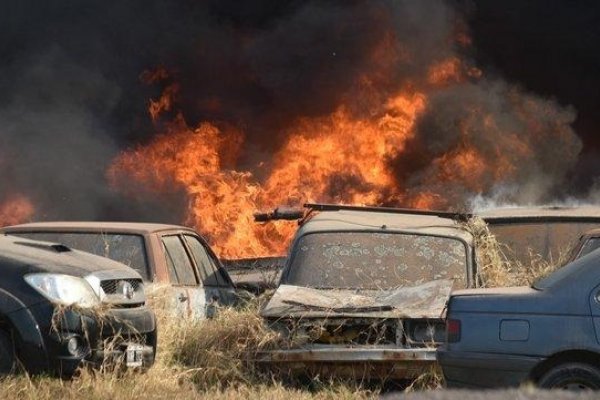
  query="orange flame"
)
[
  {"x": 318, "y": 151},
  {"x": 340, "y": 158}
]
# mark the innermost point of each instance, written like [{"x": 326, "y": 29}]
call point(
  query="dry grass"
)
[
  {"x": 196, "y": 359},
  {"x": 430, "y": 380},
  {"x": 495, "y": 269}
]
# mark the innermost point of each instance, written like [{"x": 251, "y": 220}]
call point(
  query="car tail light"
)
[{"x": 452, "y": 330}]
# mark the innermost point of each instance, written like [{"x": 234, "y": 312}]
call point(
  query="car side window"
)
[
  {"x": 211, "y": 276},
  {"x": 181, "y": 270}
]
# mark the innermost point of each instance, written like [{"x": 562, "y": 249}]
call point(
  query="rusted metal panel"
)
[
  {"x": 340, "y": 354},
  {"x": 422, "y": 301},
  {"x": 355, "y": 363}
]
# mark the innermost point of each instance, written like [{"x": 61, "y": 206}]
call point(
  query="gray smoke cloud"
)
[{"x": 527, "y": 141}]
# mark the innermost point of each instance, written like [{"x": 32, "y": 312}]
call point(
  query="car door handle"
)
[{"x": 182, "y": 298}]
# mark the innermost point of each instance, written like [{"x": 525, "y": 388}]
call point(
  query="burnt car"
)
[
  {"x": 364, "y": 290},
  {"x": 49, "y": 318},
  {"x": 174, "y": 256},
  {"x": 548, "y": 232},
  {"x": 547, "y": 334}
]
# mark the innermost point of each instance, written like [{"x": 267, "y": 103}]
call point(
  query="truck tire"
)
[
  {"x": 571, "y": 376},
  {"x": 7, "y": 354}
]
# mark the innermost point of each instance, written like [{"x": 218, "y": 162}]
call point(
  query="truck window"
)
[
  {"x": 552, "y": 240},
  {"x": 373, "y": 260},
  {"x": 127, "y": 249},
  {"x": 180, "y": 266},
  {"x": 209, "y": 271}
]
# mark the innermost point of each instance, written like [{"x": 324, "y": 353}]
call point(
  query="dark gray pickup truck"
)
[{"x": 548, "y": 334}]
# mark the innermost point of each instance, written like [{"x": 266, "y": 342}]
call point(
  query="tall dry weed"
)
[
  {"x": 210, "y": 359},
  {"x": 496, "y": 269}
]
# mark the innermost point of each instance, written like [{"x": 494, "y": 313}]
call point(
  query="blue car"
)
[{"x": 547, "y": 334}]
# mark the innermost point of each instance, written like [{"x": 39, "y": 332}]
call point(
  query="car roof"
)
[
  {"x": 592, "y": 232},
  {"x": 351, "y": 220},
  {"x": 93, "y": 226},
  {"x": 542, "y": 213}
]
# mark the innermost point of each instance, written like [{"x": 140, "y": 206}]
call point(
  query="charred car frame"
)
[{"x": 364, "y": 290}]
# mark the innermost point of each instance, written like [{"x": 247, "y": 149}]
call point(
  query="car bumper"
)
[
  {"x": 119, "y": 338},
  {"x": 343, "y": 361},
  {"x": 484, "y": 370}
]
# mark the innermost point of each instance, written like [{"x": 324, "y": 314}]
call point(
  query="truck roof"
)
[
  {"x": 351, "y": 220},
  {"x": 543, "y": 213},
  {"x": 93, "y": 226}
]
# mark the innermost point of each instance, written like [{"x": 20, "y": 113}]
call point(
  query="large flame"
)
[
  {"x": 344, "y": 157},
  {"x": 336, "y": 159}
]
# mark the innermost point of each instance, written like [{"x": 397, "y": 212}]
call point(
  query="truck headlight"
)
[{"x": 63, "y": 289}]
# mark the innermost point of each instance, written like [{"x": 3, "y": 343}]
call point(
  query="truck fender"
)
[{"x": 25, "y": 331}]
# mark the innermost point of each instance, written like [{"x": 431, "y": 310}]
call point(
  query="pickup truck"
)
[{"x": 172, "y": 256}]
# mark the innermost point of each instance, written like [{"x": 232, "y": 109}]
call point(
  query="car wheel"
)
[
  {"x": 7, "y": 354},
  {"x": 571, "y": 376}
]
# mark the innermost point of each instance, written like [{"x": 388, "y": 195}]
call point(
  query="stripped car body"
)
[
  {"x": 363, "y": 292},
  {"x": 547, "y": 232},
  {"x": 175, "y": 259}
]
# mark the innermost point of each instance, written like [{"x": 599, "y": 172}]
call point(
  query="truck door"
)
[{"x": 186, "y": 291}]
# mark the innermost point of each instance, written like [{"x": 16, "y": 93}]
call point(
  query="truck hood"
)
[
  {"x": 427, "y": 300},
  {"x": 29, "y": 256}
]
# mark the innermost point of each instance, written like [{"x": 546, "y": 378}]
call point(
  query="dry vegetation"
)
[
  {"x": 206, "y": 359},
  {"x": 496, "y": 269}
]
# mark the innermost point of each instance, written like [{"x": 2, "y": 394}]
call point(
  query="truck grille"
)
[
  {"x": 347, "y": 331},
  {"x": 125, "y": 292},
  {"x": 111, "y": 286}
]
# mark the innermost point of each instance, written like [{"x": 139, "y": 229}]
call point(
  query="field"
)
[
  {"x": 213, "y": 358},
  {"x": 209, "y": 360}
]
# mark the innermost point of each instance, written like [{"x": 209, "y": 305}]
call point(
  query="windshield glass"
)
[
  {"x": 373, "y": 260},
  {"x": 125, "y": 248}
]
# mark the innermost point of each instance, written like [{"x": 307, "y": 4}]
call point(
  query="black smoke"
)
[{"x": 71, "y": 97}]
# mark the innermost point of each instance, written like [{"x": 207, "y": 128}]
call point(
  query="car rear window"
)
[
  {"x": 128, "y": 249},
  {"x": 373, "y": 260},
  {"x": 589, "y": 246}
]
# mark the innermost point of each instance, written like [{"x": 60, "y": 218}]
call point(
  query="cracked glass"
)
[{"x": 368, "y": 260}]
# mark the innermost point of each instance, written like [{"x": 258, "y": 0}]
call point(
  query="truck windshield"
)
[
  {"x": 373, "y": 260},
  {"x": 125, "y": 248}
]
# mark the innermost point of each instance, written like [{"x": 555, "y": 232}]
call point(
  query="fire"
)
[
  {"x": 336, "y": 159},
  {"x": 345, "y": 156},
  {"x": 15, "y": 209}
]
